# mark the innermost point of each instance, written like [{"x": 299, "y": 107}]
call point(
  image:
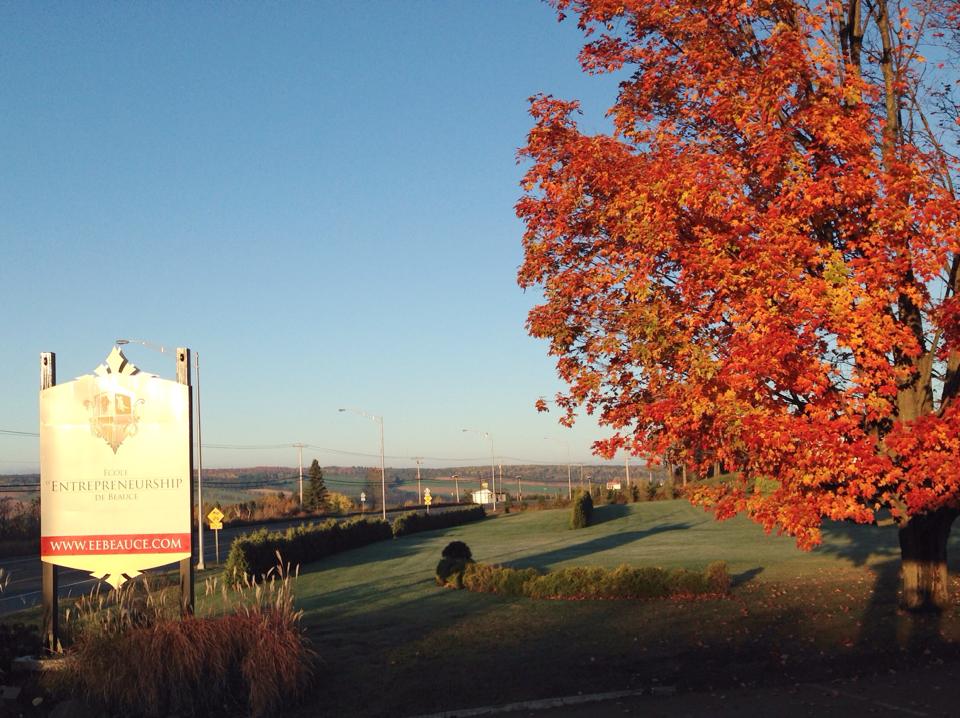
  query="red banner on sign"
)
[{"x": 114, "y": 544}]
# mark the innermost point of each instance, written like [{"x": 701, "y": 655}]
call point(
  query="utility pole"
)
[
  {"x": 501, "y": 478},
  {"x": 418, "y": 459},
  {"x": 456, "y": 481},
  {"x": 626, "y": 463},
  {"x": 299, "y": 448},
  {"x": 519, "y": 494}
]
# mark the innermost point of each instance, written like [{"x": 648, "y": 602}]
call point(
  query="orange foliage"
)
[{"x": 757, "y": 265}]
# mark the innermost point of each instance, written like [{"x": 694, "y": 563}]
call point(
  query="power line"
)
[
  {"x": 329, "y": 450},
  {"x": 11, "y": 432}
]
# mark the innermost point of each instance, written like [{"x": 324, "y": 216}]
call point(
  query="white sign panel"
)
[{"x": 115, "y": 471}]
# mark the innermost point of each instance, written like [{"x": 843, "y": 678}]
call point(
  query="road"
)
[{"x": 23, "y": 589}]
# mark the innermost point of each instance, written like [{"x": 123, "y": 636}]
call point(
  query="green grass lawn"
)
[{"x": 392, "y": 643}]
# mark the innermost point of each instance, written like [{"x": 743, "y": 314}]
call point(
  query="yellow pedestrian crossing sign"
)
[{"x": 215, "y": 517}]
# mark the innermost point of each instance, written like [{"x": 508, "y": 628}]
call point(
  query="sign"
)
[
  {"x": 427, "y": 498},
  {"x": 115, "y": 471},
  {"x": 363, "y": 497},
  {"x": 215, "y": 517}
]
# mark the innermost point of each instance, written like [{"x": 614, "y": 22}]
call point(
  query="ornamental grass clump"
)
[{"x": 131, "y": 657}]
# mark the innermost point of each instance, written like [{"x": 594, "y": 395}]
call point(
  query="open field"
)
[{"x": 394, "y": 644}]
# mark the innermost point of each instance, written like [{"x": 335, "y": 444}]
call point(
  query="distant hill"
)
[{"x": 239, "y": 484}]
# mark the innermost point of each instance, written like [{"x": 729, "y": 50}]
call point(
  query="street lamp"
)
[
  {"x": 493, "y": 475},
  {"x": 569, "y": 480},
  {"x": 418, "y": 459},
  {"x": 383, "y": 471},
  {"x": 196, "y": 362}
]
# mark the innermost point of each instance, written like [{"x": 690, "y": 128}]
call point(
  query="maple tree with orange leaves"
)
[{"x": 758, "y": 266}]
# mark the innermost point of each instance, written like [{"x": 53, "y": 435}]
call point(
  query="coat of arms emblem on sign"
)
[{"x": 114, "y": 414}]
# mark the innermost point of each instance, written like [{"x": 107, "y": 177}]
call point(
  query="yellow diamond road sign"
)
[
  {"x": 215, "y": 518},
  {"x": 427, "y": 498}
]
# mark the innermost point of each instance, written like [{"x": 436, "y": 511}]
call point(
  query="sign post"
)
[
  {"x": 363, "y": 501},
  {"x": 116, "y": 474},
  {"x": 215, "y": 517},
  {"x": 427, "y": 498},
  {"x": 49, "y": 578}
]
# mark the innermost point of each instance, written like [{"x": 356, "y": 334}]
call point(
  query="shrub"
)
[
  {"x": 414, "y": 522},
  {"x": 339, "y": 503},
  {"x": 450, "y": 571},
  {"x": 582, "y": 510},
  {"x": 682, "y": 581},
  {"x": 254, "y": 554},
  {"x": 485, "y": 578},
  {"x": 457, "y": 549},
  {"x": 718, "y": 577},
  {"x": 623, "y": 582}
]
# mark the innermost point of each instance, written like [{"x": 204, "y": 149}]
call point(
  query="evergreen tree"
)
[
  {"x": 315, "y": 498},
  {"x": 373, "y": 488}
]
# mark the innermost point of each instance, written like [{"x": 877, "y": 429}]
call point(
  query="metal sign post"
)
[
  {"x": 215, "y": 517},
  {"x": 186, "y": 564},
  {"x": 50, "y": 578}
]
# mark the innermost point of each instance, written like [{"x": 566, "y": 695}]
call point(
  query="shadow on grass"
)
[
  {"x": 884, "y": 627},
  {"x": 602, "y": 543},
  {"x": 610, "y": 512},
  {"x": 745, "y": 577},
  {"x": 388, "y": 550}
]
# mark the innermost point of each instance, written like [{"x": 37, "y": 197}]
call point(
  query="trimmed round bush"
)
[{"x": 457, "y": 549}]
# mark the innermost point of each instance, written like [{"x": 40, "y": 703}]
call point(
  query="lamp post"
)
[
  {"x": 299, "y": 448},
  {"x": 493, "y": 475},
  {"x": 383, "y": 471},
  {"x": 569, "y": 480},
  {"x": 196, "y": 363}
]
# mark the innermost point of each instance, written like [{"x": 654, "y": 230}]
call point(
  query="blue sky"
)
[{"x": 318, "y": 198}]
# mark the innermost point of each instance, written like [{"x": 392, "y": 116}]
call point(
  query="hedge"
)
[
  {"x": 254, "y": 554},
  {"x": 414, "y": 522},
  {"x": 597, "y": 583}
]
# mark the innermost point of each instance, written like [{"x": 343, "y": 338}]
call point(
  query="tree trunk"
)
[{"x": 923, "y": 553}]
